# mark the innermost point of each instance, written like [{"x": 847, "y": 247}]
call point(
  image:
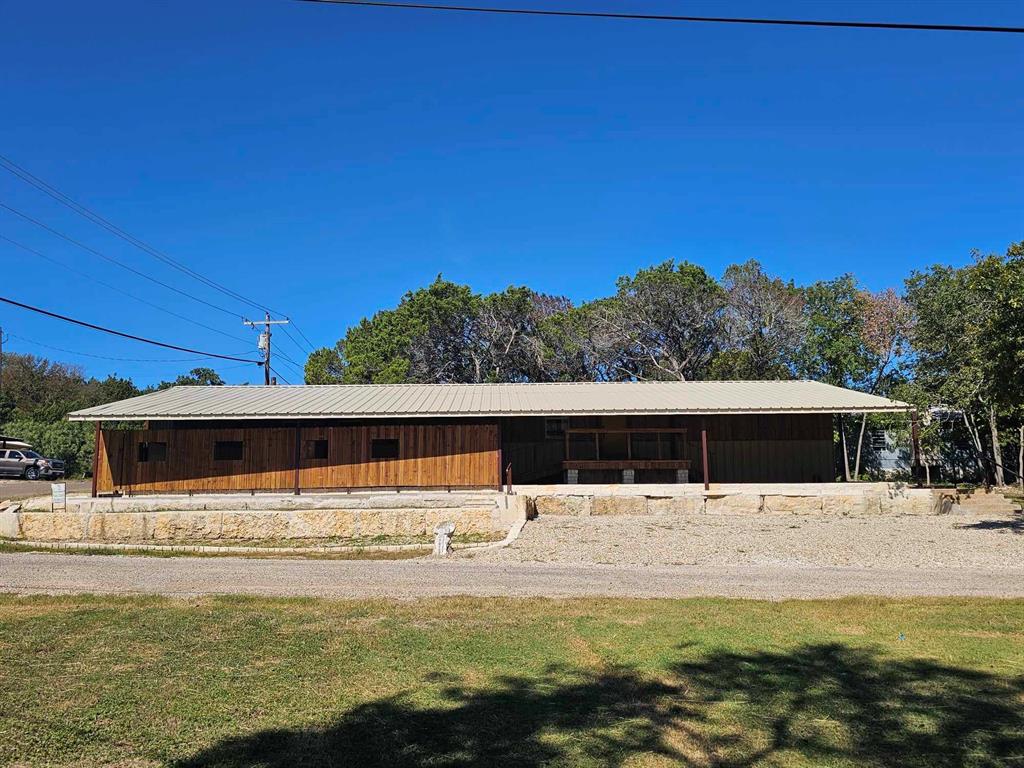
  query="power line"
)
[
  {"x": 312, "y": 347},
  {"x": 116, "y": 359},
  {"x": 108, "y": 286},
  {"x": 666, "y": 17},
  {"x": 292, "y": 338},
  {"x": 282, "y": 378},
  {"x": 125, "y": 335},
  {"x": 112, "y": 260},
  {"x": 48, "y": 189}
]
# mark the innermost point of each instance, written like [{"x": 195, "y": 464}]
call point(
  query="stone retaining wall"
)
[
  {"x": 354, "y": 516},
  {"x": 893, "y": 500}
]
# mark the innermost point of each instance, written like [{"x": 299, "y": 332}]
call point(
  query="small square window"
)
[
  {"x": 152, "y": 452},
  {"x": 227, "y": 450},
  {"x": 314, "y": 449},
  {"x": 554, "y": 428},
  {"x": 384, "y": 448}
]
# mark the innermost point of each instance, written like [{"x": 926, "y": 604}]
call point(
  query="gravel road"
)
[{"x": 27, "y": 573}]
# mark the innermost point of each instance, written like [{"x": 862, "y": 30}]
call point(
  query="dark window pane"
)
[
  {"x": 152, "y": 452},
  {"x": 315, "y": 449},
  {"x": 554, "y": 428},
  {"x": 582, "y": 446},
  {"x": 227, "y": 450},
  {"x": 384, "y": 448}
]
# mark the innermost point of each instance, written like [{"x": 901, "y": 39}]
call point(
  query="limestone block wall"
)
[
  {"x": 200, "y": 520},
  {"x": 878, "y": 499}
]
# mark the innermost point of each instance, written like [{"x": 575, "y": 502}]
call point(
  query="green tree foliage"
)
[
  {"x": 197, "y": 377},
  {"x": 764, "y": 325},
  {"x": 968, "y": 325},
  {"x": 36, "y": 395},
  {"x": 665, "y": 322},
  {"x": 833, "y": 348}
]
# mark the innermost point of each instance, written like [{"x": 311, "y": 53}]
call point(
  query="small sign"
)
[{"x": 58, "y": 496}]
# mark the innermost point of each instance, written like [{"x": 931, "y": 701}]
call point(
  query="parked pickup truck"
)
[{"x": 24, "y": 462}]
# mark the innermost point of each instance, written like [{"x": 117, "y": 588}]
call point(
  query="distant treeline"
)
[
  {"x": 951, "y": 342},
  {"x": 36, "y": 395}
]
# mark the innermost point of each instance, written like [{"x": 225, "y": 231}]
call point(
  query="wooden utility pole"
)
[{"x": 264, "y": 343}]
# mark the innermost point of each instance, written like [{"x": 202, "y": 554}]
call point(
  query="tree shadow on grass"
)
[{"x": 818, "y": 704}]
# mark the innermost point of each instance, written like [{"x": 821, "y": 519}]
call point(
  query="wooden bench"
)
[{"x": 627, "y": 467}]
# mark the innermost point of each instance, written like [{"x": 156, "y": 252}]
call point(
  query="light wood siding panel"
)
[{"x": 430, "y": 456}]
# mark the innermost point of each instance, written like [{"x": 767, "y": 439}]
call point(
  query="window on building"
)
[
  {"x": 152, "y": 452},
  {"x": 554, "y": 428},
  {"x": 384, "y": 448},
  {"x": 315, "y": 449},
  {"x": 227, "y": 450}
]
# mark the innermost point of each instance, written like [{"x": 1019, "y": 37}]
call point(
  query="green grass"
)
[{"x": 470, "y": 682}]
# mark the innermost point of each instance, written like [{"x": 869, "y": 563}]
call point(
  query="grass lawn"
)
[{"x": 470, "y": 682}]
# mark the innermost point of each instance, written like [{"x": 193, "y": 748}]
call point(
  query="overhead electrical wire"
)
[
  {"x": 36, "y": 343},
  {"x": 114, "y": 288},
  {"x": 282, "y": 378},
  {"x": 312, "y": 347},
  {"x": 45, "y": 187},
  {"x": 112, "y": 260},
  {"x": 676, "y": 18},
  {"x": 123, "y": 335},
  {"x": 48, "y": 189}
]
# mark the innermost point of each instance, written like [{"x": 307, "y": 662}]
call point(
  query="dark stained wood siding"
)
[
  {"x": 743, "y": 448},
  {"x": 430, "y": 456}
]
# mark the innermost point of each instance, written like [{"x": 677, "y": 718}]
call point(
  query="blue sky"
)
[{"x": 326, "y": 159}]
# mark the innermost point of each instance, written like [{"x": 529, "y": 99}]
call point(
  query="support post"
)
[
  {"x": 915, "y": 437},
  {"x": 704, "y": 456},
  {"x": 98, "y": 437},
  {"x": 298, "y": 456}
]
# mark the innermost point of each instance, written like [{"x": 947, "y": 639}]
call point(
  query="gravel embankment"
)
[{"x": 889, "y": 542}]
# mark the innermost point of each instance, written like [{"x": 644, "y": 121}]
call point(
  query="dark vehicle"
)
[{"x": 24, "y": 462}]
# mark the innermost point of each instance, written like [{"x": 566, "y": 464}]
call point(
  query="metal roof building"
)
[
  {"x": 274, "y": 438},
  {"x": 408, "y": 401}
]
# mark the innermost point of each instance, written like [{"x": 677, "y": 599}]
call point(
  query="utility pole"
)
[{"x": 264, "y": 343}]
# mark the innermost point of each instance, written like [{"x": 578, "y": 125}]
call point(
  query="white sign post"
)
[{"x": 59, "y": 496}]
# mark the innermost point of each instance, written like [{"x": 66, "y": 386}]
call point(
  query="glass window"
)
[
  {"x": 384, "y": 448},
  {"x": 32, "y": 455},
  {"x": 227, "y": 450},
  {"x": 13, "y": 454},
  {"x": 315, "y": 449},
  {"x": 152, "y": 452},
  {"x": 554, "y": 428}
]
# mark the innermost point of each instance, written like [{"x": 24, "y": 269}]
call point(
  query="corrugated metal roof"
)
[{"x": 454, "y": 400}]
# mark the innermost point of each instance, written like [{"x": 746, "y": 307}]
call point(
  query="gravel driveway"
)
[{"x": 877, "y": 541}]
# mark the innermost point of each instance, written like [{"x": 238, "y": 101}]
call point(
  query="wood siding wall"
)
[
  {"x": 430, "y": 456},
  {"x": 742, "y": 449}
]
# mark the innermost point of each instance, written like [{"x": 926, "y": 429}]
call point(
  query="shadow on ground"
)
[
  {"x": 819, "y": 704},
  {"x": 1014, "y": 525}
]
